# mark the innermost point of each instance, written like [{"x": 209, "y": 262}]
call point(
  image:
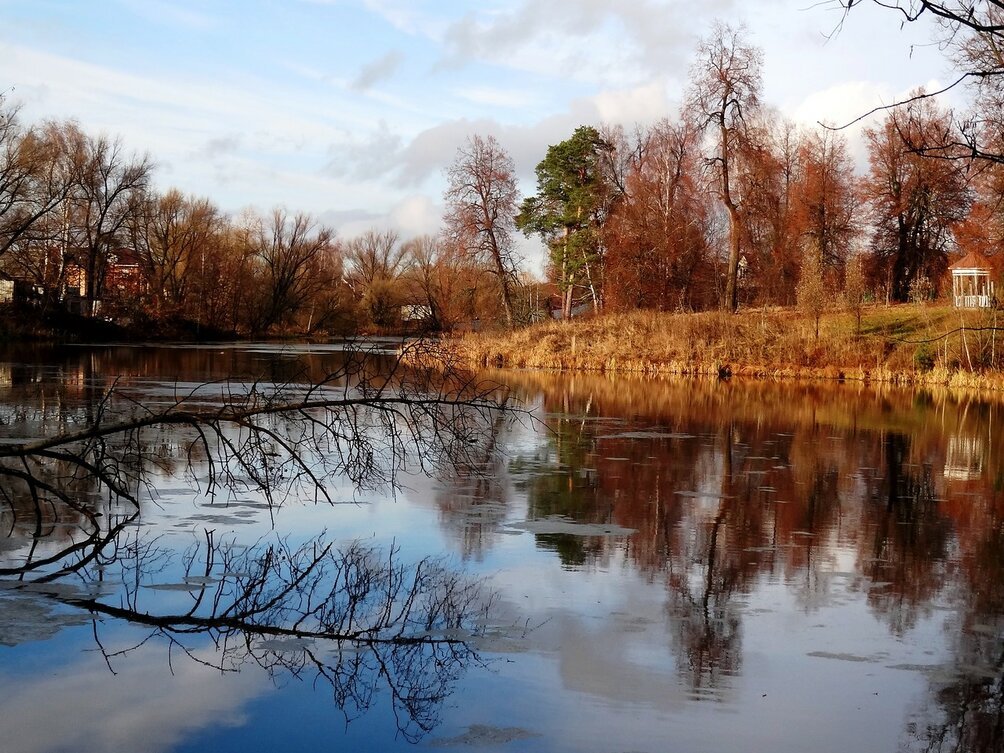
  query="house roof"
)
[{"x": 972, "y": 260}]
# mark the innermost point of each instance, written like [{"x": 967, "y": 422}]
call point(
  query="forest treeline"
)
[{"x": 728, "y": 204}]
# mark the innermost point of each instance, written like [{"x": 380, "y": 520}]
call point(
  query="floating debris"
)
[
  {"x": 560, "y": 524},
  {"x": 485, "y": 734}
]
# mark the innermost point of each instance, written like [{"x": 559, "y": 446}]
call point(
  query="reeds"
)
[{"x": 906, "y": 344}]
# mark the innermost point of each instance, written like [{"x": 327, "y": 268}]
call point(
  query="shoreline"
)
[{"x": 906, "y": 345}]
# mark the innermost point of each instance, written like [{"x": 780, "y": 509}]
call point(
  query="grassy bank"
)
[{"x": 909, "y": 344}]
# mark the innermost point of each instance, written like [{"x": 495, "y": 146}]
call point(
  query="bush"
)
[{"x": 923, "y": 358}]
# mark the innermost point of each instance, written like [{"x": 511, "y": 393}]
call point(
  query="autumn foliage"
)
[{"x": 718, "y": 208}]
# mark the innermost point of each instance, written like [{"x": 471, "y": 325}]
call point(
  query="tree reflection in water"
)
[
  {"x": 965, "y": 709},
  {"x": 883, "y": 500},
  {"x": 353, "y": 617},
  {"x": 731, "y": 487}
]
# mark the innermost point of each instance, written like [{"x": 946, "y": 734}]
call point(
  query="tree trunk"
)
[
  {"x": 732, "y": 278},
  {"x": 592, "y": 288},
  {"x": 566, "y": 281},
  {"x": 506, "y": 295},
  {"x": 504, "y": 281}
]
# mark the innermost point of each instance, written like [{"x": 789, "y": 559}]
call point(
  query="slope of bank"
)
[{"x": 902, "y": 344}]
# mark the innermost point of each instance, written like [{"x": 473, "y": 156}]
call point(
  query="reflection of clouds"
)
[
  {"x": 607, "y": 634},
  {"x": 606, "y": 663},
  {"x": 86, "y": 707}
]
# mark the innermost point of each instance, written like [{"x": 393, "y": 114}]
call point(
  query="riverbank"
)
[
  {"x": 28, "y": 324},
  {"x": 905, "y": 344}
]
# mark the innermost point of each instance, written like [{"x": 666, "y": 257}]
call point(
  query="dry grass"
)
[{"x": 901, "y": 344}]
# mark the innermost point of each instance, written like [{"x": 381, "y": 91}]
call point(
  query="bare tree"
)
[
  {"x": 372, "y": 256},
  {"x": 108, "y": 186},
  {"x": 36, "y": 175},
  {"x": 812, "y": 293},
  {"x": 295, "y": 256},
  {"x": 173, "y": 234},
  {"x": 657, "y": 236},
  {"x": 855, "y": 289},
  {"x": 725, "y": 87},
  {"x": 436, "y": 277},
  {"x": 481, "y": 203},
  {"x": 972, "y": 33},
  {"x": 828, "y": 204},
  {"x": 375, "y": 263},
  {"x": 916, "y": 201}
]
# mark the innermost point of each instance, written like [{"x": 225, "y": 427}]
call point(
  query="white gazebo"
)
[{"x": 972, "y": 287}]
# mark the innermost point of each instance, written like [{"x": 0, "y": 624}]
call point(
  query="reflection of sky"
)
[
  {"x": 600, "y": 673},
  {"x": 73, "y": 702},
  {"x": 599, "y": 668},
  {"x": 596, "y": 673}
]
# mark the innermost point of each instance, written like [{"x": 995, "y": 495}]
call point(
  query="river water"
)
[{"x": 618, "y": 564}]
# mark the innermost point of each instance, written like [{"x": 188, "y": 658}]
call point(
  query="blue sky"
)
[{"x": 351, "y": 109}]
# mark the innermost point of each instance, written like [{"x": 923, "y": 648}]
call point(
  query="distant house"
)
[
  {"x": 124, "y": 275},
  {"x": 971, "y": 284},
  {"x": 13, "y": 290},
  {"x": 416, "y": 313},
  {"x": 123, "y": 280}
]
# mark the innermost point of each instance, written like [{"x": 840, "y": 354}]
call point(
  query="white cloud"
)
[
  {"x": 417, "y": 215},
  {"x": 418, "y": 17},
  {"x": 843, "y": 105},
  {"x": 114, "y": 100},
  {"x": 642, "y": 104},
  {"x": 839, "y": 105},
  {"x": 86, "y": 705},
  {"x": 608, "y": 42},
  {"x": 414, "y": 215}
]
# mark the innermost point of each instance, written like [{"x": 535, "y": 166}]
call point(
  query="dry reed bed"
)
[{"x": 899, "y": 345}]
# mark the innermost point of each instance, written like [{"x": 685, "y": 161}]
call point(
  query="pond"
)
[{"x": 580, "y": 563}]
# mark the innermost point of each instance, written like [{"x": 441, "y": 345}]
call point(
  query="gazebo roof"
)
[{"x": 970, "y": 261}]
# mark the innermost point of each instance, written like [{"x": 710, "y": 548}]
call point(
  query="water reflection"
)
[
  {"x": 83, "y": 464},
  {"x": 692, "y": 565},
  {"x": 734, "y": 487}
]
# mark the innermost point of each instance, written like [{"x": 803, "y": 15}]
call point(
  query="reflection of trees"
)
[
  {"x": 357, "y": 620},
  {"x": 362, "y": 622},
  {"x": 560, "y": 476},
  {"x": 474, "y": 495},
  {"x": 726, "y": 486},
  {"x": 905, "y": 552},
  {"x": 357, "y": 421},
  {"x": 707, "y": 624},
  {"x": 965, "y": 709},
  {"x": 793, "y": 483},
  {"x": 969, "y": 712}
]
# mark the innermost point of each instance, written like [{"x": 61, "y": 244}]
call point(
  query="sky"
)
[{"x": 352, "y": 109}]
